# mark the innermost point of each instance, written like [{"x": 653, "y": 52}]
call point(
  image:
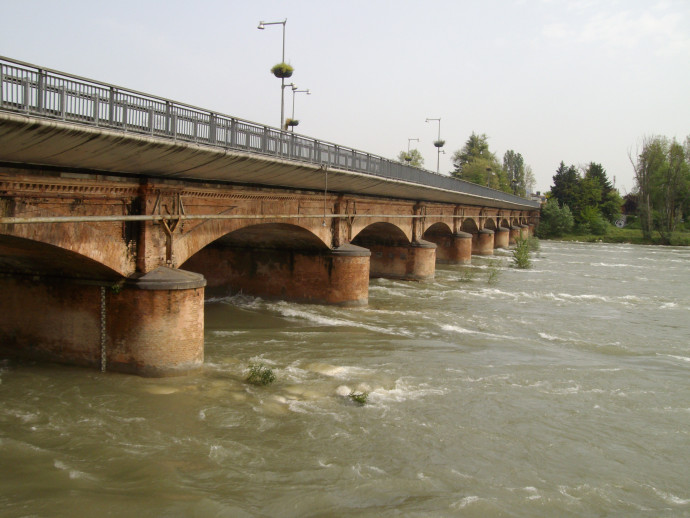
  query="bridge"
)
[{"x": 120, "y": 211}]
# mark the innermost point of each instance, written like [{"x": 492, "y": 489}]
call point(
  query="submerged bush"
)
[
  {"x": 259, "y": 374},
  {"x": 494, "y": 272},
  {"x": 359, "y": 397},
  {"x": 521, "y": 253}
]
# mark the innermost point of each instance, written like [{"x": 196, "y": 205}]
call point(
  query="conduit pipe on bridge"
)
[{"x": 96, "y": 219}]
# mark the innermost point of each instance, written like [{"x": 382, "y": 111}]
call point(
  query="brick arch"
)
[
  {"x": 381, "y": 233},
  {"x": 470, "y": 226},
  {"x": 438, "y": 229},
  {"x": 490, "y": 224},
  {"x": 30, "y": 257},
  {"x": 101, "y": 243},
  {"x": 241, "y": 232},
  {"x": 504, "y": 223}
]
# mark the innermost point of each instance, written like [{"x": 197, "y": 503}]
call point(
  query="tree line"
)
[
  {"x": 584, "y": 201},
  {"x": 476, "y": 163}
]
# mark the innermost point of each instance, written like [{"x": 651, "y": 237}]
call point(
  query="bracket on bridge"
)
[{"x": 170, "y": 225}]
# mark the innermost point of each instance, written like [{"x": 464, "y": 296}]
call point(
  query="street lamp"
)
[
  {"x": 296, "y": 91},
  {"x": 262, "y": 26},
  {"x": 408, "y": 157},
  {"x": 489, "y": 174},
  {"x": 438, "y": 143}
]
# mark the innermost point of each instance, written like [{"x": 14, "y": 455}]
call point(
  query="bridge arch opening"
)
[
  {"x": 469, "y": 226},
  {"x": 382, "y": 234},
  {"x": 393, "y": 256},
  {"x": 282, "y": 261},
  {"x": 437, "y": 230},
  {"x": 490, "y": 224}
]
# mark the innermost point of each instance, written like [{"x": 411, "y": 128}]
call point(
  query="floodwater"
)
[{"x": 562, "y": 390}]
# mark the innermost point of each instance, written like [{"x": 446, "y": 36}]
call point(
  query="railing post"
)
[
  {"x": 63, "y": 101},
  {"x": 40, "y": 90},
  {"x": 212, "y": 128},
  {"x": 168, "y": 119},
  {"x": 264, "y": 138},
  {"x": 233, "y": 132},
  {"x": 111, "y": 106},
  {"x": 124, "y": 115},
  {"x": 2, "y": 82},
  {"x": 27, "y": 93},
  {"x": 173, "y": 122},
  {"x": 96, "y": 102},
  {"x": 151, "y": 114}
]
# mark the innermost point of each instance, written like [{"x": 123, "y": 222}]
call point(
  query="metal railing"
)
[{"x": 33, "y": 90}]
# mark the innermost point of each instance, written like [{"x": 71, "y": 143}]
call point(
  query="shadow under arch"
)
[
  {"x": 381, "y": 233},
  {"x": 439, "y": 229},
  {"x": 469, "y": 226},
  {"x": 282, "y": 261},
  {"x": 22, "y": 256}
]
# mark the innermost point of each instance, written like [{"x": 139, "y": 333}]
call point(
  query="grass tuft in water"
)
[
  {"x": 467, "y": 275},
  {"x": 359, "y": 397},
  {"x": 261, "y": 375},
  {"x": 494, "y": 273}
]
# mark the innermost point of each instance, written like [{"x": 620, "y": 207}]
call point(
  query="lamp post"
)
[
  {"x": 296, "y": 91},
  {"x": 262, "y": 26},
  {"x": 489, "y": 173},
  {"x": 438, "y": 143},
  {"x": 408, "y": 158}
]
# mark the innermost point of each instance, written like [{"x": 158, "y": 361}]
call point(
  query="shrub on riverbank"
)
[{"x": 629, "y": 235}]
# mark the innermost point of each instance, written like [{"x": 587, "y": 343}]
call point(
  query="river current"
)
[{"x": 561, "y": 390}]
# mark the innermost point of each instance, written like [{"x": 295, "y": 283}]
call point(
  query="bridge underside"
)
[{"x": 121, "y": 284}]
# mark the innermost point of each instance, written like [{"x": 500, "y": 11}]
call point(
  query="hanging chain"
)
[{"x": 103, "y": 329}]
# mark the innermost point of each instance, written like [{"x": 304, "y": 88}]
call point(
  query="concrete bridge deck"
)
[{"x": 113, "y": 226}]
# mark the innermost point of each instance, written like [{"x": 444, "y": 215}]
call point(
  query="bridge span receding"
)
[{"x": 119, "y": 211}]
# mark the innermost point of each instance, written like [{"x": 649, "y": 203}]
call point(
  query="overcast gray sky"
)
[{"x": 571, "y": 80}]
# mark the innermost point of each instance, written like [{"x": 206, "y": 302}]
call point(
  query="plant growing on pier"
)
[
  {"x": 282, "y": 70},
  {"x": 360, "y": 398},
  {"x": 259, "y": 374}
]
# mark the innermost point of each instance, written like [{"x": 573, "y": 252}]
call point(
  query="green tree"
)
[
  {"x": 514, "y": 166},
  {"x": 530, "y": 180},
  {"x": 566, "y": 185},
  {"x": 415, "y": 158},
  {"x": 662, "y": 176},
  {"x": 608, "y": 201},
  {"x": 475, "y": 163},
  {"x": 555, "y": 220},
  {"x": 477, "y": 146}
]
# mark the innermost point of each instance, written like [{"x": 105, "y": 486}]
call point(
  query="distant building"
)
[{"x": 538, "y": 196}]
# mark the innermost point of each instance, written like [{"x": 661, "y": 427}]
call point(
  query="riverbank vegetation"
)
[{"x": 583, "y": 205}]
